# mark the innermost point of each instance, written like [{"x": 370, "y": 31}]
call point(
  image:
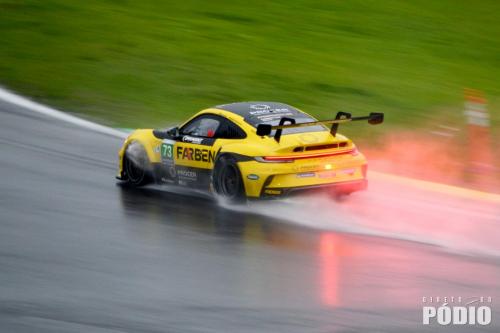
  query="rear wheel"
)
[
  {"x": 227, "y": 181},
  {"x": 136, "y": 165}
]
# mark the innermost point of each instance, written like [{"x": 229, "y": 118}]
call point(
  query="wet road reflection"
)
[{"x": 321, "y": 268}]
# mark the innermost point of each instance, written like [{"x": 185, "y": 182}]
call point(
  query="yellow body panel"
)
[
  {"x": 301, "y": 172},
  {"x": 305, "y": 172},
  {"x": 150, "y": 143}
]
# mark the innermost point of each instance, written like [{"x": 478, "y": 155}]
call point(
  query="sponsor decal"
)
[
  {"x": 192, "y": 139},
  {"x": 258, "y": 112},
  {"x": 171, "y": 171},
  {"x": 307, "y": 167},
  {"x": 195, "y": 154},
  {"x": 265, "y": 116},
  {"x": 456, "y": 310},
  {"x": 264, "y": 109},
  {"x": 187, "y": 174},
  {"x": 274, "y": 192},
  {"x": 260, "y": 107},
  {"x": 306, "y": 175},
  {"x": 253, "y": 176}
]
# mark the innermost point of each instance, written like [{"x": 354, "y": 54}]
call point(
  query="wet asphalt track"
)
[{"x": 79, "y": 253}]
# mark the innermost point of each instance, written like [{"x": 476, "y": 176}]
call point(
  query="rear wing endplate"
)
[{"x": 373, "y": 118}]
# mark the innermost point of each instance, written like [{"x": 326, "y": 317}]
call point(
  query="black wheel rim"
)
[{"x": 230, "y": 181}]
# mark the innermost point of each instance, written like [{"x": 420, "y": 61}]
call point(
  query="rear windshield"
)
[{"x": 273, "y": 117}]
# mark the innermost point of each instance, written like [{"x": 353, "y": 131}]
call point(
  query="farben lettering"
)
[{"x": 195, "y": 154}]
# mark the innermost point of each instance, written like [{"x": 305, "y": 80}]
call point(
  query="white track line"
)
[
  {"x": 12, "y": 98},
  {"x": 23, "y": 102}
]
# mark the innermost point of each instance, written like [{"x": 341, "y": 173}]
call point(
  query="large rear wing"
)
[{"x": 373, "y": 118}]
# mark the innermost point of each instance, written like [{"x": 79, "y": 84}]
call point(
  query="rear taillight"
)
[
  {"x": 274, "y": 159},
  {"x": 289, "y": 159}
]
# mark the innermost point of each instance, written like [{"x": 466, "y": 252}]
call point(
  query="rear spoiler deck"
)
[{"x": 373, "y": 118}]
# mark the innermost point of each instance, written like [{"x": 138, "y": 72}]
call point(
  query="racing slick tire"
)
[
  {"x": 137, "y": 166},
  {"x": 226, "y": 180}
]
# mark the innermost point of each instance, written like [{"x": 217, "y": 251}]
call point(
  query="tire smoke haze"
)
[{"x": 444, "y": 156}]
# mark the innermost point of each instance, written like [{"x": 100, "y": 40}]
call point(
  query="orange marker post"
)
[{"x": 480, "y": 162}]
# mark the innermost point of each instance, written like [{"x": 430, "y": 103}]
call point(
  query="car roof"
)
[{"x": 258, "y": 112}]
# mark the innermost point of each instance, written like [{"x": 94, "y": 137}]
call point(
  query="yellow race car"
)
[{"x": 248, "y": 150}]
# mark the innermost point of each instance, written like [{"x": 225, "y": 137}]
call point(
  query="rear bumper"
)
[
  {"x": 340, "y": 187},
  {"x": 307, "y": 173}
]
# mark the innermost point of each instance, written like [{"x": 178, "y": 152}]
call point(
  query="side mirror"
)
[
  {"x": 376, "y": 118},
  {"x": 264, "y": 129},
  {"x": 170, "y": 133},
  {"x": 173, "y": 131}
]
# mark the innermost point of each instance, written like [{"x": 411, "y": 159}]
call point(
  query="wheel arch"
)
[
  {"x": 237, "y": 158},
  {"x": 246, "y": 151},
  {"x": 147, "y": 140}
]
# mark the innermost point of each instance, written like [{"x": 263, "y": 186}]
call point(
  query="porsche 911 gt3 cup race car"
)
[{"x": 248, "y": 150}]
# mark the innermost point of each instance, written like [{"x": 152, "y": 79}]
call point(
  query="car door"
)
[{"x": 193, "y": 152}]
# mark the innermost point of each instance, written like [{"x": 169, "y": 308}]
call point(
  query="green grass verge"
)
[{"x": 146, "y": 63}]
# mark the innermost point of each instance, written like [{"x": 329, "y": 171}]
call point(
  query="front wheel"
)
[
  {"x": 227, "y": 181},
  {"x": 136, "y": 165}
]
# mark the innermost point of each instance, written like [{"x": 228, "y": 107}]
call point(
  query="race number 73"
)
[{"x": 167, "y": 150}]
